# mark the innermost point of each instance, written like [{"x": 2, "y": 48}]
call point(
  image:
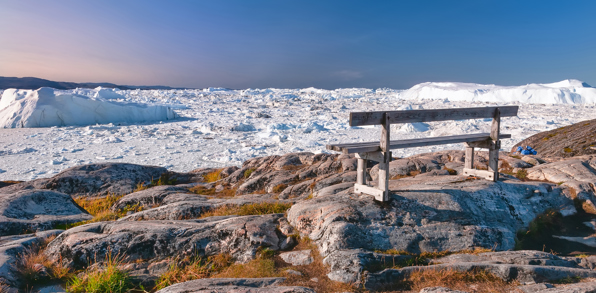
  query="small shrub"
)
[
  {"x": 521, "y": 174},
  {"x": 213, "y": 176},
  {"x": 108, "y": 278},
  {"x": 279, "y": 188},
  {"x": 568, "y": 150},
  {"x": 248, "y": 172}
]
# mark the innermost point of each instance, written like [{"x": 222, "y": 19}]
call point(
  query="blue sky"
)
[{"x": 295, "y": 44}]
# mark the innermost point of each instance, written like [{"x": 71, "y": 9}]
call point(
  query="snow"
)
[
  {"x": 221, "y": 127},
  {"x": 43, "y": 108}
]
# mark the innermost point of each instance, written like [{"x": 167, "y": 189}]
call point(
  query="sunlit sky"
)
[{"x": 296, "y": 44}]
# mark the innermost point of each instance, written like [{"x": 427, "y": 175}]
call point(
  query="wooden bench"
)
[{"x": 379, "y": 151}]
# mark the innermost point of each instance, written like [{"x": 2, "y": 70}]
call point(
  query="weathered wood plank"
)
[
  {"x": 385, "y": 134},
  {"x": 350, "y": 148},
  {"x": 410, "y": 116},
  {"x": 374, "y": 156},
  {"x": 358, "y": 189},
  {"x": 495, "y": 127},
  {"x": 488, "y": 175}
]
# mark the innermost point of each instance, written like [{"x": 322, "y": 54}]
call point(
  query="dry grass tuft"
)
[
  {"x": 279, "y": 188},
  {"x": 99, "y": 208},
  {"x": 261, "y": 208},
  {"x": 263, "y": 266},
  {"x": 479, "y": 280},
  {"x": 226, "y": 192},
  {"x": 213, "y": 176},
  {"x": 164, "y": 179},
  {"x": 191, "y": 269},
  {"x": 34, "y": 267}
]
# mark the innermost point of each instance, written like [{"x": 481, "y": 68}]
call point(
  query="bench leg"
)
[
  {"x": 361, "y": 172},
  {"x": 384, "y": 178},
  {"x": 493, "y": 160},
  {"x": 469, "y": 163}
]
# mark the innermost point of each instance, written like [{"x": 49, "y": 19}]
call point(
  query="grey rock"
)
[
  {"x": 147, "y": 198},
  {"x": 526, "y": 267},
  {"x": 152, "y": 240},
  {"x": 234, "y": 285},
  {"x": 93, "y": 179},
  {"x": 33, "y": 210},
  {"x": 347, "y": 266},
  {"x": 534, "y": 288},
  {"x": 293, "y": 272},
  {"x": 447, "y": 213},
  {"x": 297, "y": 258},
  {"x": 440, "y": 290},
  {"x": 582, "y": 287},
  {"x": 333, "y": 189}
]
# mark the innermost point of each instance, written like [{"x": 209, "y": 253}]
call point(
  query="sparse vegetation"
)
[
  {"x": 279, "y": 188},
  {"x": 3, "y": 287},
  {"x": 34, "y": 267},
  {"x": 261, "y": 208},
  {"x": 480, "y": 280},
  {"x": 521, "y": 174},
  {"x": 424, "y": 257},
  {"x": 226, "y": 192},
  {"x": 105, "y": 278},
  {"x": 99, "y": 208},
  {"x": 193, "y": 268},
  {"x": 212, "y": 176},
  {"x": 164, "y": 179},
  {"x": 248, "y": 172}
]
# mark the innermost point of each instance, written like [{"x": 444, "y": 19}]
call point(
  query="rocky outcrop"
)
[
  {"x": 268, "y": 285},
  {"x": 151, "y": 240},
  {"x": 448, "y": 213},
  {"x": 526, "y": 267},
  {"x": 574, "y": 140},
  {"x": 93, "y": 180},
  {"x": 33, "y": 210}
]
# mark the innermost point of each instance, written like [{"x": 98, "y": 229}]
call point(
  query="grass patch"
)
[
  {"x": 261, "y": 208},
  {"x": 248, "y": 172},
  {"x": 568, "y": 280},
  {"x": 35, "y": 268},
  {"x": 226, "y": 192},
  {"x": 480, "y": 280},
  {"x": 99, "y": 208},
  {"x": 568, "y": 150},
  {"x": 516, "y": 156},
  {"x": 263, "y": 266},
  {"x": 279, "y": 188},
  {"x": 212, "y": 176},
  {"x": 164, "y": 179},
  {"x": 105, "y": 278},
  {"x": 191, "y": 269},
  {"x": 521, "y": 174}
]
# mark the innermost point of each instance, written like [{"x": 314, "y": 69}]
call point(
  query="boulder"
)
[
  {"x": 297, "y": 258},
  {"x": 526, "y": 267},
  {"x": 449, "y": 213},
  {"x": 93, "y": 179},
  {"x": 36, "y": 210},
  {"x": 151, "y": 240},
  {"x": 574, "y": 140},
  {"x": 265, "y": 285}
]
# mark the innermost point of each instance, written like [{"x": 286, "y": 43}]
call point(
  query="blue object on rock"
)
[{"x": 525, "y": 152}]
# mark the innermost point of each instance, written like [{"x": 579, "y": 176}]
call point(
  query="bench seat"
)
[{"x": 374, "y": 146}]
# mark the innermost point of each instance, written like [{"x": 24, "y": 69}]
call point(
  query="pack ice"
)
[{"x": 44, "y": 108}]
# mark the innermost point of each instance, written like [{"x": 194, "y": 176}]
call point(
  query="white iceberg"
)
[{"x": 43, "y": 108}]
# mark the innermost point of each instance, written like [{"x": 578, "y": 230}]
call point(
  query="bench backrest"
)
[{"x": 409, "y": 116}]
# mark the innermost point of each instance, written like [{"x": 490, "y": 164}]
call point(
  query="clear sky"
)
[{"x": 296, "y": 44}]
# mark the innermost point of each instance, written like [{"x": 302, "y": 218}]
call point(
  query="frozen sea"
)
[{"x": 221, "y": 127}]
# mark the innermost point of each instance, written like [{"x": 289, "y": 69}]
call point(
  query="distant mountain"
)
[{"x": 35, "y": 83}]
